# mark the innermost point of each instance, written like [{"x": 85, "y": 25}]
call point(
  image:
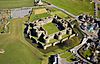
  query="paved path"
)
[
  {"x": 98, "y": 19},
  {"x": 63, "y": 60},
  {"x": 75, "y": 49}
]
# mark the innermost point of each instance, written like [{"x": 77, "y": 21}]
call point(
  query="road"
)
[
  {"x": 98, "y": 19},
  {"x": 75, "y": 49}
]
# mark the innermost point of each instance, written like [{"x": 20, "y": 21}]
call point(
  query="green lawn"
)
[
  {"x": 87, "y": 53},
  {"x": 74, "y": 6},
  {"x": 34, "y": 17},
  {"x": 15, "y": 3},
  {"x": 50, "y": 28},
  {"x": 68, "y": 56},
  {"x": 60, "y": 14},
  {"x": 77, "y": 29},
  {"x": 1, "y": 28},
  {"x": 99, "y": 14},
  {"x": 17, "y": 49}
]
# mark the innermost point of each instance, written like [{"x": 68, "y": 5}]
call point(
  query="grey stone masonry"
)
[{"x": 40, "y": 32}]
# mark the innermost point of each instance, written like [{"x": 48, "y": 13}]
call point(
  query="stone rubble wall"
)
[
  {"x": 43, "y": 21},
  {"x": 47, "y": 38},
  {"x": 48, "y": 45}
]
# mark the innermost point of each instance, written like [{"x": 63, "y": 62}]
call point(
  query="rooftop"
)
[{"x": 97, "y": 1}]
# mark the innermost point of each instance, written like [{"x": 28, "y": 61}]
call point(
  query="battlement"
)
[{"x": 50, "y": 31}]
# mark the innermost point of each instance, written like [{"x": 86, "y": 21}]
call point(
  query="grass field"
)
[
  {"x": 69, "y": 56},
  {"x": 74, "y": 6},
  {"x": 60, "y": 14},
  {"x": 17, "y": 49},
  {"x": 39, "y": 11},
  {"x": 15, "y": 3},
  {"x": 99, "y": 14},
  {"x": 34, "y": 17},
  {"x": 50, "y": 28},
  {"x": 1, "y": 28}
]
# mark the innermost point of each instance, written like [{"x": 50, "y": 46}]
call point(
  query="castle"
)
[{"x": 39, "y": 35}]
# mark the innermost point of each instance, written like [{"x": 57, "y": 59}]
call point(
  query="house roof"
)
[{"x": 97, "y": 1}]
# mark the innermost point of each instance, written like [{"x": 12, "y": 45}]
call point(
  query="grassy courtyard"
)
[
  {"x": 15, "y": 3},
  {"x": 50, "y": 28},
  {"x": 74, "y": 6},
  {"x": 17, "y": 49}
]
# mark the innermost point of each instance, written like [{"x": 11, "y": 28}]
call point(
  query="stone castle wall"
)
[{"x": 46, "y": 37}]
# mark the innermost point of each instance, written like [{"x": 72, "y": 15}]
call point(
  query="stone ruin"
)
[{"x": 39, "y": 34}]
